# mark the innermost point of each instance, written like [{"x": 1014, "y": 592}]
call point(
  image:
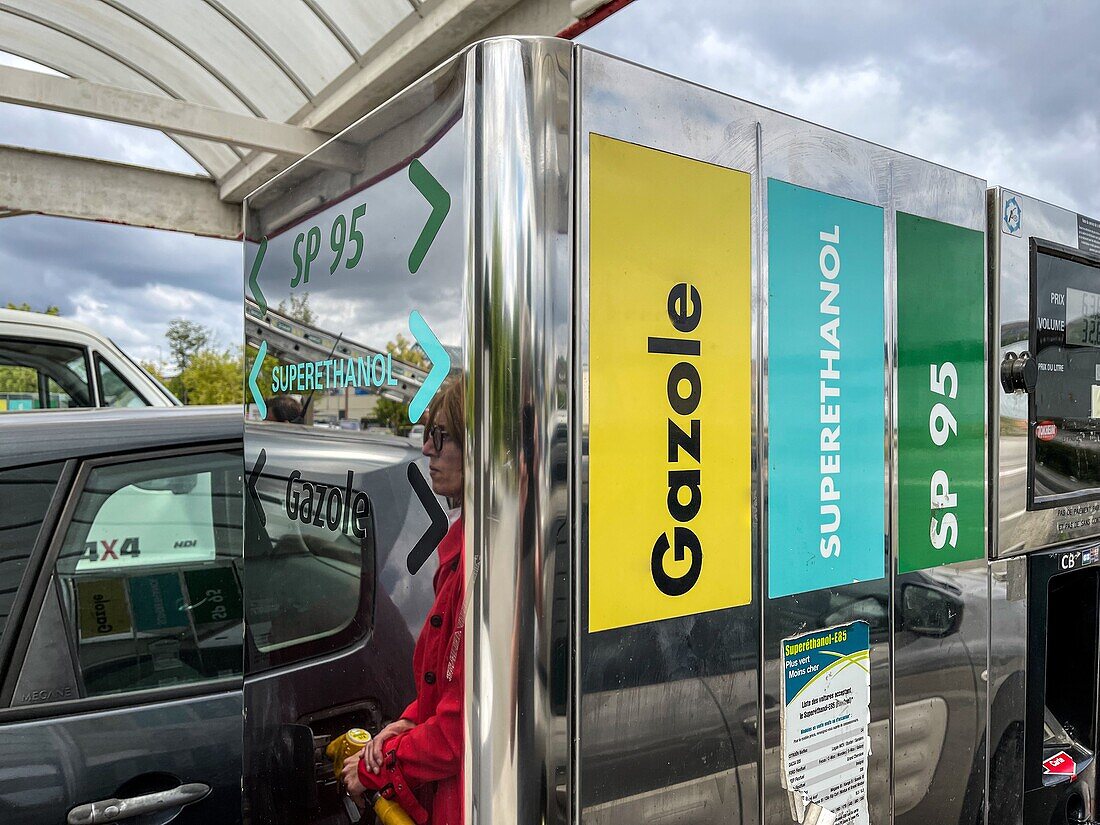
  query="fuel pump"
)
[
  {"x": 693, "y": 594},
  {"x": 1045, "y": 272}
]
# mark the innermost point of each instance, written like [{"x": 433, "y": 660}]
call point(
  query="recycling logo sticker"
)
[{"x": 1011, "y": 216}]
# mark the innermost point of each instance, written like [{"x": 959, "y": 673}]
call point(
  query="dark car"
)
[
  {"x": 121, "y": 616},
  {"x": 123, "y": 647},
  {"x": 333, "y": 610}
]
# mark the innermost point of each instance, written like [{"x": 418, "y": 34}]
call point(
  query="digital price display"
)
[
  {"x": 1082, "y": 318},
  {"x": 1065, "y": 406}
]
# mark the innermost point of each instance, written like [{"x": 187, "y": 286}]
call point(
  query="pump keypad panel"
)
[{"x": 1065, "y": 405}]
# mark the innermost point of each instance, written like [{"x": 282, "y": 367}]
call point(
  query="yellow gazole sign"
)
[{"x": 669, "y": 384}]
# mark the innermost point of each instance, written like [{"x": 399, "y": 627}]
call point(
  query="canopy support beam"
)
[
  {"x": 97, "y": 190},
  {"x": 178, "y": 117}
]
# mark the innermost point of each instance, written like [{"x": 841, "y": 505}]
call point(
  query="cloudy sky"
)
[
  {"x": 1008, "y": 91},
  {"x": 124, "y": 281}
]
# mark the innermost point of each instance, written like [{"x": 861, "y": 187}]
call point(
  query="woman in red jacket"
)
[{"x": 417, "y": 760}]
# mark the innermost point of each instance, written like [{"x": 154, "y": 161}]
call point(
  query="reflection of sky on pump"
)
[{"x": 370, "y": 304}]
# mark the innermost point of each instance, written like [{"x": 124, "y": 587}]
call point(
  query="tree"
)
[
  {"x": 154, "y": 370},
  {"x": 18, "y": 379},
  {"x": 408, "y": 351},
  {"x": 213, "y": 378},
  {"x": 185, "y": 340},
  {"x": 25, "y": 307},
  {"x": 393, "y": 414},
  {"x": 299, "y": 309}
]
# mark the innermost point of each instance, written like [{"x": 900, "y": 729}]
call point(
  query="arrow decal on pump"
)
[
  {"x": 254, "y": 275},
  {"x": 253, "y": 477},
  {"x": 440, "y": 202},
  {"x": 261, "y": 405},
  {"x": 427, "y": 543},
  {"x": 441, "y": 364}
]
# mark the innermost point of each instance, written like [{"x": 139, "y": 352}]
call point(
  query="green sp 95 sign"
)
[
  {"x": 307, "y": 246},
  {"x": 941, "y": 394}
]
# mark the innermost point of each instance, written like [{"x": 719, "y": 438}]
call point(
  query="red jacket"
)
[{"x": 422, "y": 768}]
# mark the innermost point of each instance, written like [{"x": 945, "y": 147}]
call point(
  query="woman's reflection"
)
[{"x": 417, "y": 760}]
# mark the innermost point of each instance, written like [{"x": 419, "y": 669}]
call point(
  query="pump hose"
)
[{"x": 389, "y": 812}]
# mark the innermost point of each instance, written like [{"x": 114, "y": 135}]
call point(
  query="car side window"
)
[
  {"x": 310, "y": 589},
  {"x": 42, "y": 375},
  {"x": 148, "y": 573},
  {"x": 26, "y": 493},
  {"x": 115, "y": 389}
]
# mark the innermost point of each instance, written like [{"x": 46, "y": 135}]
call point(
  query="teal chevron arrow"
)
[
  {"x": 437, "y": 196},
  {"x": 261, "y": 405},
  {"x": 254, "y": 275},
  {"x": 441, "y": 364}
]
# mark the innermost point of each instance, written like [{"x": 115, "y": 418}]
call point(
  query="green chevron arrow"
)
[
  {"x": 257, "y": 396},
  {"x": 441, "y": 364},
  {"x": 440, "y": 201},
  {"x": 254, "y": 275}
]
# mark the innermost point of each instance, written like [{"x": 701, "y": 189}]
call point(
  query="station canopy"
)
[{"x": 246, "y": 87}]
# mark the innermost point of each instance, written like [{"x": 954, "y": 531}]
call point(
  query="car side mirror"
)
[{"x": 929, "y": 611}]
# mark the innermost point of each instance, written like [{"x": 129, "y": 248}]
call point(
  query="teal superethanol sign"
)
[
  {"x": 334, "y": 373},
  {"x": 826, "y": 391}
]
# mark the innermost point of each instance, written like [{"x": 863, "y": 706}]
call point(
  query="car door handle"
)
[{"x": 113, "y": 810}]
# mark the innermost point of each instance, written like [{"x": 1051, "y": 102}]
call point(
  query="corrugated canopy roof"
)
[
  {"x": 274, "y": 61},
  {"x": 246, "y": 87}
]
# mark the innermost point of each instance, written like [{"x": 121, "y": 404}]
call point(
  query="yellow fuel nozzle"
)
[
  {"x": 388, "y": 811},
  {"x": 345, "y": 745}
]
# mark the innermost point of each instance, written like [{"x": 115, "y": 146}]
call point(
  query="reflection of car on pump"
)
[
  {"x": 313, "y": 586},
  {"x": 327, "y": 642},
  {"x": 676, "y": 672}
]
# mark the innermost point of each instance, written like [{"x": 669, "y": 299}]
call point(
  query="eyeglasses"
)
[{"x": 437, "y": 435}]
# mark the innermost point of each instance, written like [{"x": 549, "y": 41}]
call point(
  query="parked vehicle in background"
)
[
  {"x": 122, "y": 610},
  {"x": 50, "y": 362},
  {"x": 121, "y": 614}
]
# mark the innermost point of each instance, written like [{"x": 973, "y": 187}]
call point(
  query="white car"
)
[{"x": 50, "y": 362}]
